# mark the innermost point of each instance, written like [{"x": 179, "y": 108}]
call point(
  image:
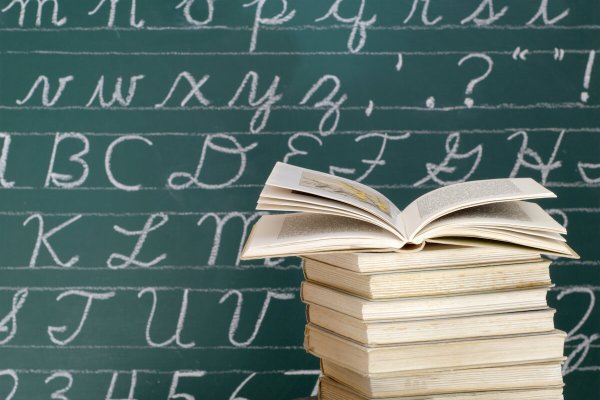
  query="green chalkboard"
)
[{"x": 136, "y": 135}]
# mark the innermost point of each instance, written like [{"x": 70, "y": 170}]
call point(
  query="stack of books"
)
[
  {"x": 441, "y": 321},
  {"x": 444, "y": 300}
]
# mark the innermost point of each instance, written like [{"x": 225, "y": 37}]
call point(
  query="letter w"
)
[{"x": 117, "y": 95}]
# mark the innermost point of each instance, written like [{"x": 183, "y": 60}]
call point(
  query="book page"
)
[
  {"x": 302, "y": 233},
  {"x": 291, "y": 206},
  {"x": 532, "y": 232},
  {"x": 276, "y": 198},
  {"x": 510, "y": 236},
  {"x": 516, "y": 215},
  {"x": 451, "y": 198},
  {"x": 565, "y": 250},
  {"x": 335, "y": 188}
]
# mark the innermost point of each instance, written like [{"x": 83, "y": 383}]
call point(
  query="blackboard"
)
[{"x": 136, "y": 136}]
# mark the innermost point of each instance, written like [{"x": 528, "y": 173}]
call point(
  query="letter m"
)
[
  {"x": 220, "y": 222},
  {"x": 22, "y": 4}
]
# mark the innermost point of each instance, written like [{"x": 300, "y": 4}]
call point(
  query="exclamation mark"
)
[{"x": 587, "y": 77}]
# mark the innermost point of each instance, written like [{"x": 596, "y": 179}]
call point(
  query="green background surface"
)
[{"x": 529, "y": 104}]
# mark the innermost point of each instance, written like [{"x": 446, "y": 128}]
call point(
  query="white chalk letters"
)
[
  {"x": 126, "y": 261},
  {"x": 358, "y": 34},
  {"x": 183, "y": 180},
  {"x": 176, "y": 338},
  {"x": 43, "y": 236},
  {"x": 90, "y": 297},
  {"x": 235, "y": 320},
  {"x": 11, "y": 318},
  {"x": 66, "y": 180}
]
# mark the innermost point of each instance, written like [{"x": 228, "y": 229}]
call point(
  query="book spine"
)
[
  {"x": 302, "y": 292},
  {"x": 320, "y": 390},
  {"x": 307, "y": 339},
  {"x": 302, "y": 262}
]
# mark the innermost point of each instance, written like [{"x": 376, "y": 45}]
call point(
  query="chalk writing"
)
[
  {"x": 112, "y": 13},
  {"x": 183, "y": 374},
  {"x": 90, "y": 297},
  {"x": 42, "y": 239},
  {"x": 492, "y": 16},
  {"x": 271, "y": 14},
  {"x": 543, "y": 14},
  {"x": 220, "y": 223},
  {"x": 400, "y": 62},
  {"x": 328, "y": 102},
  {"x": 43, "y": 81},
  {"x": 370, "y": 108},
  {"x": 294, "y": 151},
  {"x": 176, "y": 338},
  {"x": 358, "y": 34},
  {"x": 136, "y": 136},
  {"x": 452, "y": 153},
  {"x": 235, "y": 394},
  {"x": 65, "y": 180},
  {"x": 11, "y": 373},
  {"x": 126, "y": 261},
  {"x": 117, "y": 95},
  {"x": 473, "y": 82},
  {"x": 372, "y": 163},
  {"x": 520, "y": 54},
  {"x": 11, "y": 318},
  {"x": 3, "y": 160},
  {"x": 235, "y": 320},
  {"x": 425, "y": 19},
  {"x": 584, "y": 169},
  {"x": 59, "y": 394},
  {"x": 186, "y": 6},
  {"x": 22, "y": 4},
  {"x": 237, "y": 149},
  {"x": 263, "y": 104},
  {"x": 538, "y": 164},
  {"x": 578, "y": 355},
  {"x": 113, "y": 382},
  {"x": 278, "y": 19},
  {"x": 587, "y": 76},
  {"x": 194, "y": 92},
  {"x": 108, "y": 159}
]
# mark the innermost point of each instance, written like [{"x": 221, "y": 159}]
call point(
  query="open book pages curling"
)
[{"x": 330, "y": 213}]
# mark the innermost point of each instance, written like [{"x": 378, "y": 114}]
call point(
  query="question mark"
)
[{"x": 469, "y": 90}]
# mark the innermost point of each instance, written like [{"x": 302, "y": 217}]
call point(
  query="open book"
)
[{"x": 331, "y": 213}]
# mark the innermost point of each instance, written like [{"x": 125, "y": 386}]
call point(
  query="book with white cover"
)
[
  {"x": 488, "y": 351},
  {"x": 332, "y": 390},
  {"x": 373, "y": 333},
  {"x": 331, "y": 213},
  {"x": 436, "y": 282},
  {"x": 426, "y": 306},
  {"x": 444, "y": 381}
]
